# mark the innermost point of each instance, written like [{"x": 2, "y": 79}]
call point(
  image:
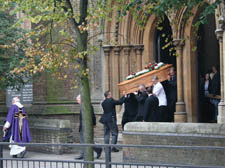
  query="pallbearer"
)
[
  {"x": 159, "y": 92},
  {"x": 17, "y": 124}
]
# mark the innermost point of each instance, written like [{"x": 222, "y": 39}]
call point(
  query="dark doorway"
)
[
  {"x": 163, "y": 48},
  {"x": 208, "y": 56},
  {"x": 164, "y": 51}
]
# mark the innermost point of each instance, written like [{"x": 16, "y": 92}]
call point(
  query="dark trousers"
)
[
  {"x": 171, "y": 110},
  {"x": 163, "y": 114},
  {"x": 96, "y": 149},
  {"x": 112, "y": 128}
]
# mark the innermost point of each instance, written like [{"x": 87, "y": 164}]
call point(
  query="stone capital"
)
[
  {"x": 178, "y": 43},
  {"x": 117, "y": 49},
  {"x": 219, "y": 34},
  {"x": 107, "y": 49},
  {"x": 127, "y": 49},
  {"x": 139, "y": 49}
]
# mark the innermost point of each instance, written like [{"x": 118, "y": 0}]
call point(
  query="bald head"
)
[
  {"x": 15, "y": 100},
  {"x": 141, "y": 88},
  {"x": 78, "y": 99}
]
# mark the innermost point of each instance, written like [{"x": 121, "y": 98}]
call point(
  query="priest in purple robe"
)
[{"x": 17, "y": 122}]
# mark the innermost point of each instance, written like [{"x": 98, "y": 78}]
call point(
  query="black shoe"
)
[
  {"x": 79, "y": 158},
  {"x": 23, "y": 154},
  {"x": 14, "y": 156},
  {"x": 99, "y": 153},
  {"x": 115, "y": 150}
]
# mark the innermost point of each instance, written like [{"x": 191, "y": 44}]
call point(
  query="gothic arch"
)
[{"x": 190, "y": 64}]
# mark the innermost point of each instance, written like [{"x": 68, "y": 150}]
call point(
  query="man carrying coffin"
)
[
  {"x": 141, "y": 96},
  {"x": 17, "y": 122},
  {"x": 109, "y": 118},
  {"x": 159, "y": 92},
  {"x": 151, "y": 107}
]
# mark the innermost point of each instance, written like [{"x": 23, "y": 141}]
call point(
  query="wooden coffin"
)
[{"x": 131, "y": 85}]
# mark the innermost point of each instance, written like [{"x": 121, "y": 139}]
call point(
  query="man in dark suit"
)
[
  {"x": 96, "y": 149},
  {"x": 109, "y": 118},
  {"x": 172, "y": 94},
  {"x": 215, "y": 89},
  {"x": 131, "y": 107},
  {"x": 141, "y": 96},
  {"x": 151, "y": 107}
]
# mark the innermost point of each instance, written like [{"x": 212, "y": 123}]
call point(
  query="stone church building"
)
[{"x": 137, "y": 46}]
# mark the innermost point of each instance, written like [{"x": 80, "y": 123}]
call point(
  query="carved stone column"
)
[
  {"x": 180, "y": 115},
  {"x": 139, "y": 50},
  {"x": 125, "y": 66},
  {"x": 115, "y": 71},
  {"x": 220, "y": 34},
  {"x": 107, "y": 50}
]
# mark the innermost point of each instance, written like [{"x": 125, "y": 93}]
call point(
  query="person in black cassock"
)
[
  {"x": 151, "y": 107},
  {"x": 131, "y": 107},
  {"x": 98, "y": 150},
  {"x": 141, "y": 96},
  {"x": 109, "y": 118}
]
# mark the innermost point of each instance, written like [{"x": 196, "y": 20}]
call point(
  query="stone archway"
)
[{"x": 191, "y": 68}]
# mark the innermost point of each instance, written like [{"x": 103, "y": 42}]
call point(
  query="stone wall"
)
[
  {"x": 175, "y": 134},
  {"x": 49, "y": 131}
]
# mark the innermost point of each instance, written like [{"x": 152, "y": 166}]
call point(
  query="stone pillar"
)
[
  {"x": 115, "y": 72},
  {"x": 138, "y": 51},
  {"x": 180, "y": 115},
  {"x": 220, "y": 34},
  {"x": 107, "y": 50},
  {"x": 125, "y": 65}
]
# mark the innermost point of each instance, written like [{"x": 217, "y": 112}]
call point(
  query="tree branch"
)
[
  {"x": 72, "y": 19},
  {"x": 83, "y": 11}
]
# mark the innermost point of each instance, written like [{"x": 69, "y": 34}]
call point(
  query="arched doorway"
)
[
  {"x": 208, "y": 56},
  {"x": 163, "y": 47}
]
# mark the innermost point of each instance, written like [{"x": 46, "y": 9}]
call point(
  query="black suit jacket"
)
[
  {"x": 141, "y": 97},
  {"x": 172, "y": 89},
  {"x": 131, "y": 107},
  {"x": 109, "y": 109},
  {"x": 151, "y": 109},
  {"x": 215, "y": 84},
  {"x": 92, "y": 115}
]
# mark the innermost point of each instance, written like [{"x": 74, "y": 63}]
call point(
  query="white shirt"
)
[
  {"x": 159, "y": 92},
  {"x": 206, "y": 88}
]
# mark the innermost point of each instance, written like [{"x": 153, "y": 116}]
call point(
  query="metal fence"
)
[{"x": 107, "y": 162}]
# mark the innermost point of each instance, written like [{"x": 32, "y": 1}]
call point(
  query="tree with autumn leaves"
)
[{"x": 59, "y": 39}]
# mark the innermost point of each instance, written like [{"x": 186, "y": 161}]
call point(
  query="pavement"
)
[{"x": 44, "y": 160}]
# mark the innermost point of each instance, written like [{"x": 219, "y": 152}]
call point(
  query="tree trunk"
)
[{"x": 85, "y": 100}]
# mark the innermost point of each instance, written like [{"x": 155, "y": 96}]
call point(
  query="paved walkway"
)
[{"x": 53, "y": 160}]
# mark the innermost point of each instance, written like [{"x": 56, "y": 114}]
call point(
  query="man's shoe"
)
[
  {"x": 79, "y": 158},
  {"x": 23, "y": 154},
  {"x": 99, "y": 153},
  {"x": 14, "y": 156},
  {"x": 115, "y": 149}
]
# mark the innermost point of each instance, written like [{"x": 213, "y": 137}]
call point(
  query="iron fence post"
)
[
  {"x": 108, "y": 157},
  {"x": 1, "y": 156}
]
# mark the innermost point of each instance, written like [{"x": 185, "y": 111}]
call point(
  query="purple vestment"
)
[{"x": 13, "y": 119}]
